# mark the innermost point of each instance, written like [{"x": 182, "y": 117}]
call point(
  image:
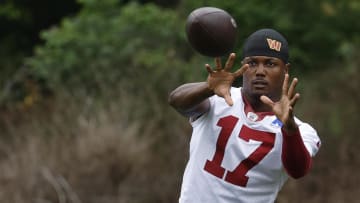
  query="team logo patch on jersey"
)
[
  {"x": 277, "y": 123},
  {"x": 252, "y": 116}
]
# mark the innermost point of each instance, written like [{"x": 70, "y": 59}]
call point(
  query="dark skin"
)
[
  {"x": 265, "y": 76},
  {"x": 265, "y": 86}
]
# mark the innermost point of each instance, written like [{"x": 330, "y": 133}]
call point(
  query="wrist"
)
[
  {"x": 208, "y": 90},
  {"x": 290, "y": 127}
]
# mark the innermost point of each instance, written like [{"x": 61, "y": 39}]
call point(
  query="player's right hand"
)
[{"x": 221, "y": 79}]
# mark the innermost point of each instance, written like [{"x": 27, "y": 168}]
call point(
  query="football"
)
[{"x": 211, "y": 31}]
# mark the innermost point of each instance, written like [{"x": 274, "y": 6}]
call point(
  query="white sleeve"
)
[
  {"x": 310, "y": 138},
  {"x": 195, "y": 121}
]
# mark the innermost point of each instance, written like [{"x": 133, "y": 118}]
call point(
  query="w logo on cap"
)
[{"x": 274, "y": 44}]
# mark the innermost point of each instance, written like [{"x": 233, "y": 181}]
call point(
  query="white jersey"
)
[{"x": 236, "y": 159}]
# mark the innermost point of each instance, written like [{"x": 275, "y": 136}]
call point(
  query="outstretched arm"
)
[
  {"x": 295, "y": 157},
  {"x": 192, "y": 100}
]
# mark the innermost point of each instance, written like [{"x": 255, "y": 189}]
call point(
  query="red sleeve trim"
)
[{"x": 295, "y": 157}]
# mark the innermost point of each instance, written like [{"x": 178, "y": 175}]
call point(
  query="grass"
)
[{"x": 74, "y": 153}]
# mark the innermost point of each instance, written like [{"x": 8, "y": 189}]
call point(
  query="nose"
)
[{"x": 260, "y": 70}]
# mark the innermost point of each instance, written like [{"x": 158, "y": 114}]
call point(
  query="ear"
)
[{"x": 287, "y": 67}]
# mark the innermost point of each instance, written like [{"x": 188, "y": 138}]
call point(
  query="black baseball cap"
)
[{"x": 266, "y": 42}]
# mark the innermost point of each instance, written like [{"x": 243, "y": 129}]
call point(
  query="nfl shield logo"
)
[{"x": 277, "y": 123}]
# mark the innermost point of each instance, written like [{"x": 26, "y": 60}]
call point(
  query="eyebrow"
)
[{"x": 268, "y": 58}]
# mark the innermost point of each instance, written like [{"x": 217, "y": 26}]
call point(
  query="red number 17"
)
[{"x": 238, "y": 175}]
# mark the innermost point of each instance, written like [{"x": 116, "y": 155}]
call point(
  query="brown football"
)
[{"x": 211, "y": 31}]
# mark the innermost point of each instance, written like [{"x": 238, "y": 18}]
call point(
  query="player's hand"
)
[
  {"x": 284, "y": 108},
  {"x": 221, "y": 79}
]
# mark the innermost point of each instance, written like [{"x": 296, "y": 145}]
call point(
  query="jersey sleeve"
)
[
  {"x": 310, "y": 138},
  {"x": 195, "y": 121}
]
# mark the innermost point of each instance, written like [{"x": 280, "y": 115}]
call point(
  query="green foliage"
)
[
  {"x": 108, "y": 43},
  {"x": 315, "y": 29},
  {"x": 119, "y": 46},
  {"x": 10, "y": 11}
]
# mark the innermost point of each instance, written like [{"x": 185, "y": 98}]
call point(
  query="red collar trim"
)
[{"x": 248, "y": 108}]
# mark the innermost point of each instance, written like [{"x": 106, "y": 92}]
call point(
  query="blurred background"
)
[{"x": 84, "y": 84}]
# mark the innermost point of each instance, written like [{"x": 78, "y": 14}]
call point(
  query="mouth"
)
[{"x": 259, "y": 84}]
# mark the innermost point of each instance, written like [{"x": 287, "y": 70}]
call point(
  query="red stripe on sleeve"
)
[{"x": 295, "y": 157}]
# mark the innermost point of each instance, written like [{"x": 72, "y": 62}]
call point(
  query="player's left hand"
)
[{"x": 283, "y": 109}]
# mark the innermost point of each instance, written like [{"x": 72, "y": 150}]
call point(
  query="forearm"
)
[
  {"x": 190, "y": 98},
  {"x": 295, "y": 157}
]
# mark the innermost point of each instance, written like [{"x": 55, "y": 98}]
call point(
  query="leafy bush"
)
[
  {"x": 130, "y": 47},
  {"x": 316, "y": 30}
]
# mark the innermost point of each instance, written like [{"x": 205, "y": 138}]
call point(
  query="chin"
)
[
  {"x": 256, "y": 95},
  {"x": 259, "y": 93}
]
